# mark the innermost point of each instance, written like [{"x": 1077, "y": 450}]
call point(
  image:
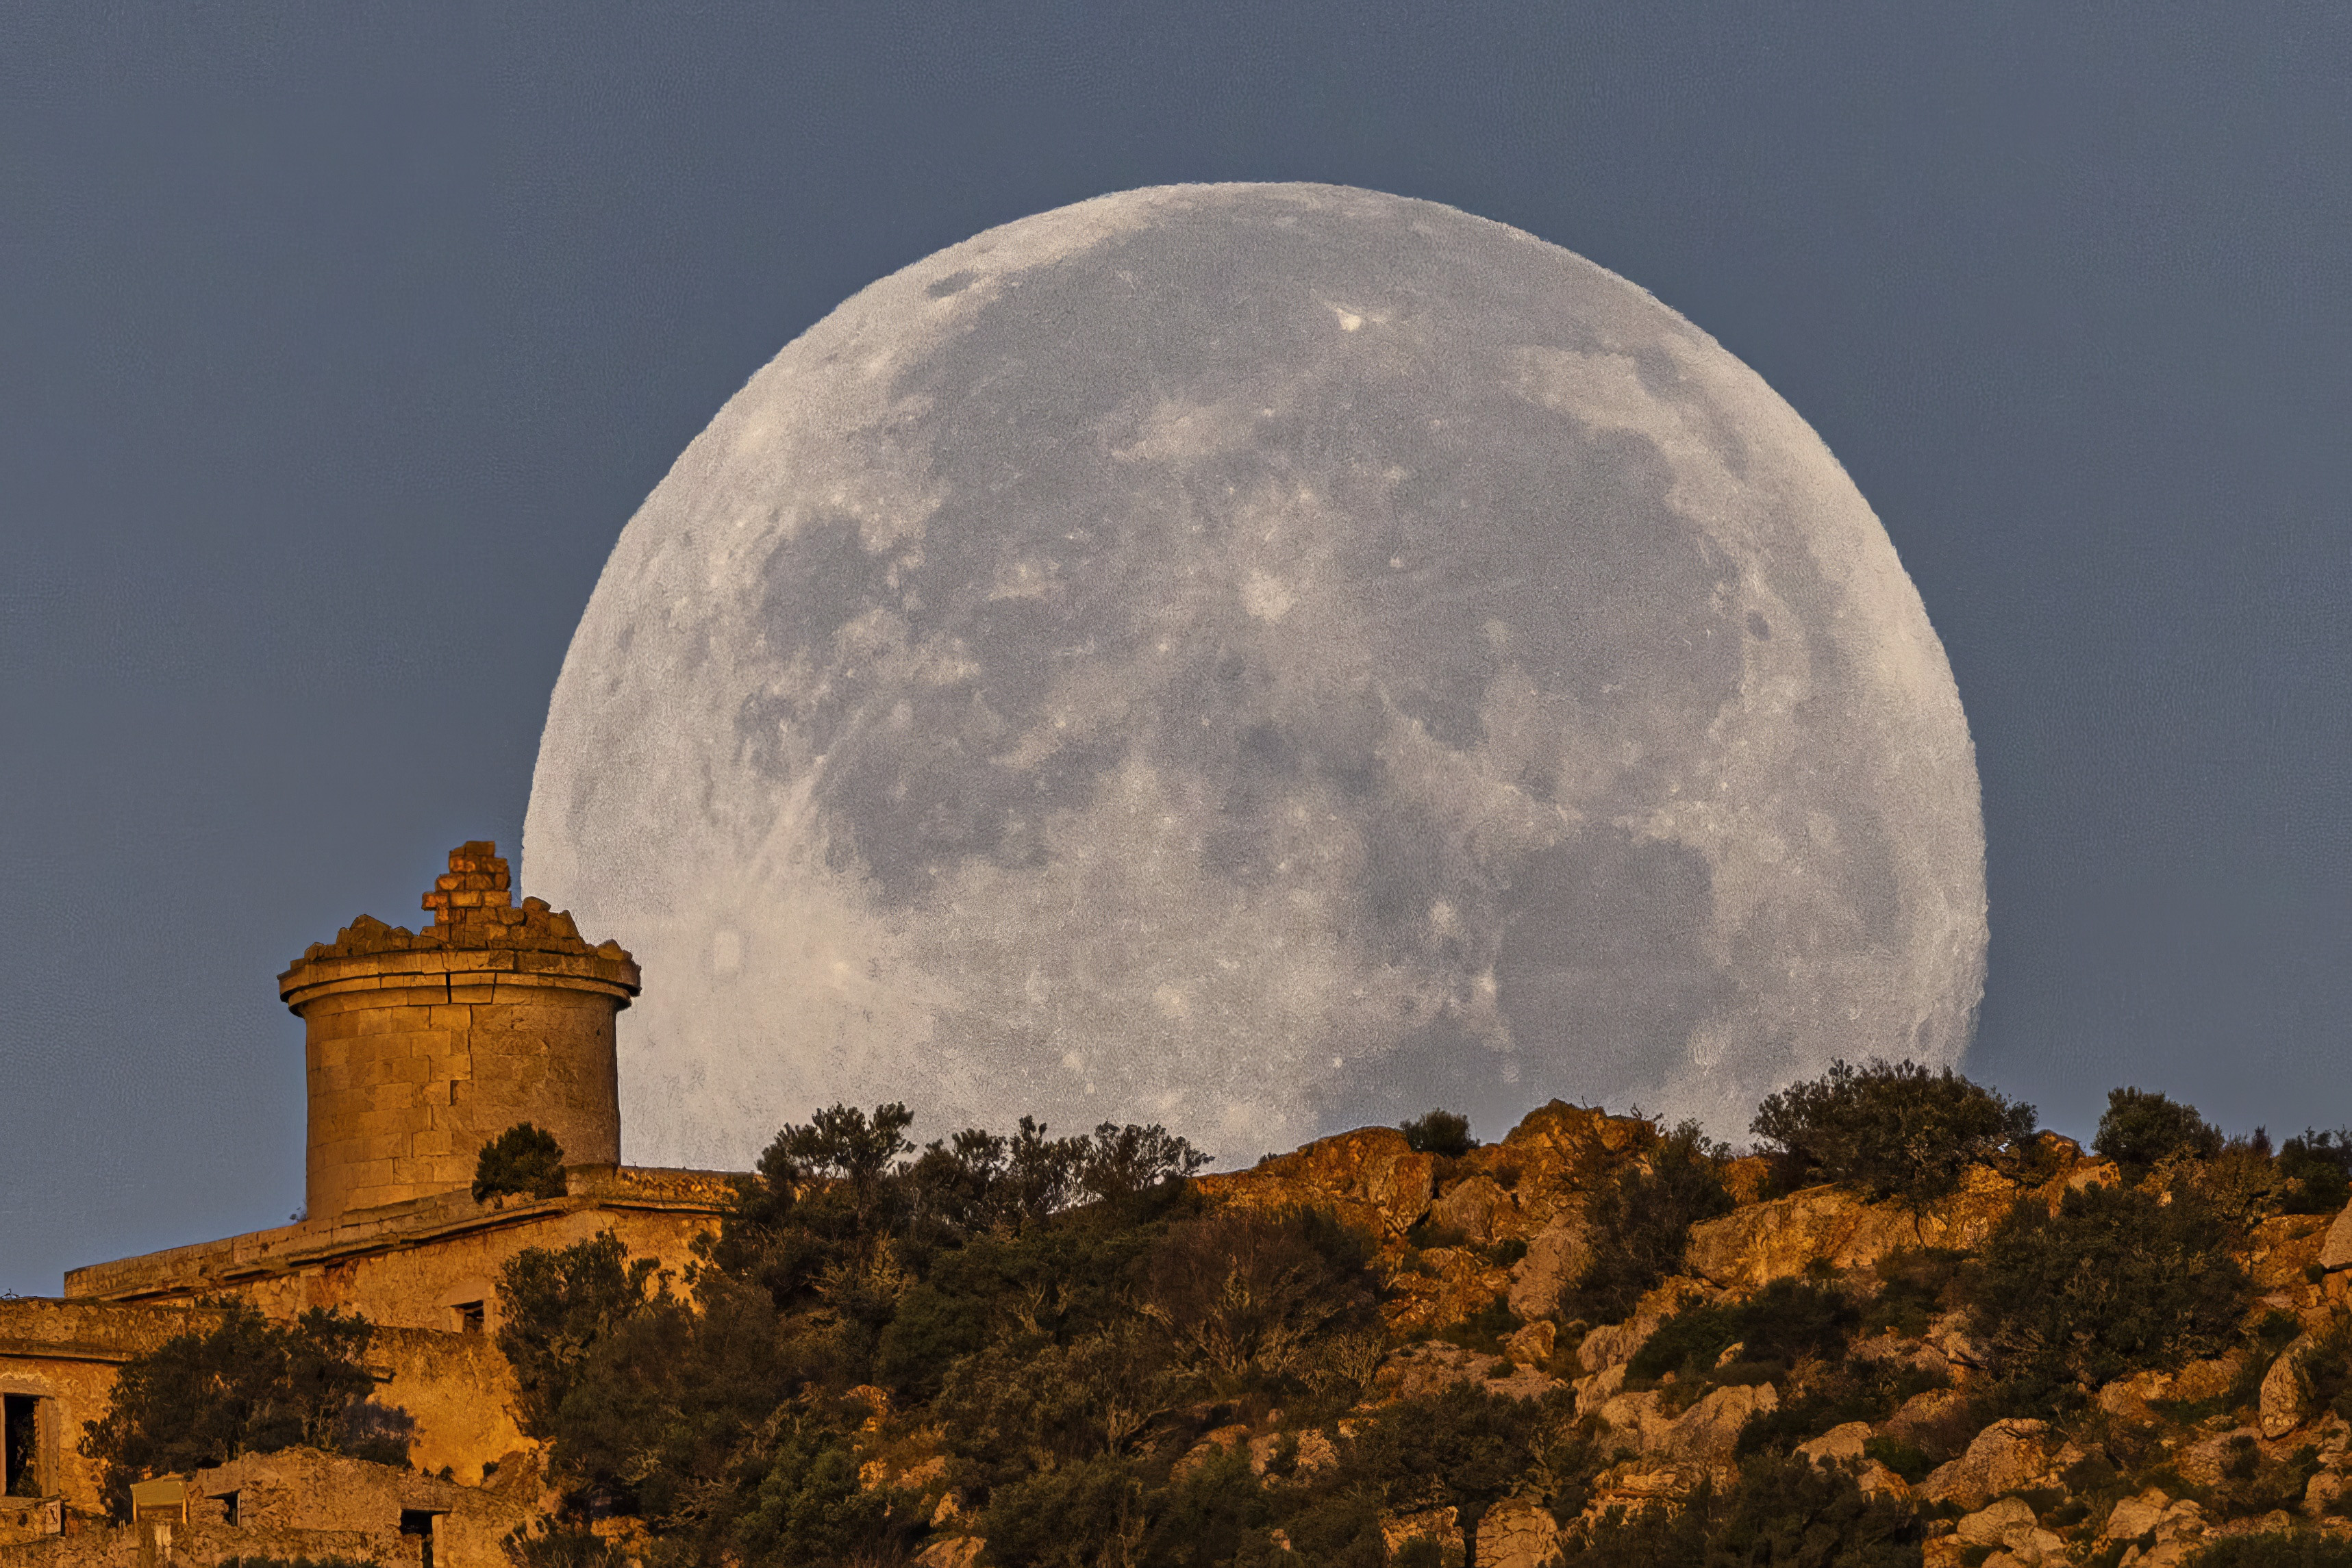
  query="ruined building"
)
[{"x": 419, "y": 1047}]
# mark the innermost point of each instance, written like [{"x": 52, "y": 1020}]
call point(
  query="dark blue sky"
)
[{"x": 337, "y": 344}]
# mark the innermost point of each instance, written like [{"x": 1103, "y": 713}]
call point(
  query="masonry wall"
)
[
  {"x": 456, "y": 1388},
  {"x": 67, "y": 1354},
  {"x": 414, "y": 1265},
  {"x": 406, "y": 1084}
]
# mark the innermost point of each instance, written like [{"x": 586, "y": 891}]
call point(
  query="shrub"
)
[
  {"x": 2276, "y": 1549},
  {"x": 1640, "y": 1221},
  {"x": 560, "y": 1544},
  {"x": 2316, "y": 1172},
  {"x": 1779, "y": 1513},
  {"x": 245, "y": 1385},
  {"x": 1464, "y": 1445},
  {"x": 2118, "y": 1280},
  {"x": 2253, "y": 1485},
  {"x": 2325, "y": 1368},
  {"x": 2141, "y": 1129},
  {"x": 1244, "y": 1288},
  {"x": 1070, "y": 1517},
  {"x": 1439, "y": 1132},
  {"x": 1914, "y": 1285},
  {"x": 1893, "y": 1129},
  {"x": 523, "y": 1161}
]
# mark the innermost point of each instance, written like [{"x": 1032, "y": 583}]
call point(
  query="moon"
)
[{"x": 1259, "y": 659}]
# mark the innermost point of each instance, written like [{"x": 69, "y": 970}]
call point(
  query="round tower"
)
[{"x": 422, "y": 1047}]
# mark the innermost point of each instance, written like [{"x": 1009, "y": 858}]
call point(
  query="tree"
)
[
  {"x": 1640, "y": 1221},
  {"x": 1439, "y": 1132},
  {"x": 2317, "y": 1171},
  {"x": 1892, "y": 1128},
  {"x": 245, "y": 1385},
  {"x": 554, "y": 1305},
  {"x": 2116, "y": 1281},
  {"x": 523, "y": 1161},
  {"x": 2141, "y": 1129},
  {"x": 1244, "y": 1287}
]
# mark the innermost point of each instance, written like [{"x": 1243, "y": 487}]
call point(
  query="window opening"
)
[
  {"x": 469, "y": 1317},
  {"x": 229, "y": 1514},
  {"x": 20, "y": 1467}
]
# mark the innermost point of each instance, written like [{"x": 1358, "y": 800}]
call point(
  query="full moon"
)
[{"x": 1260, "y": 659}]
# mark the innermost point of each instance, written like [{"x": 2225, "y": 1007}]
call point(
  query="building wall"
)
[
  {"x": 412, "y": 1266},
  {"x": 66, "y": 1354},
  {"x": 458, "y": 1388}
]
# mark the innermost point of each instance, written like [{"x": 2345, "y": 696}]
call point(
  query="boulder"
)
[
  {"x": 1838, "y": 1445},
  {"x": 2128, "y": 1397},
  {"x": 1709, "y": 1430},
  {"x": 1478, "y": 1209},
  {"x": 2208, "y": 1379},
  {"x": 2286, "y": 1394},
  {"x": 1640, "y": 1484},
  {"x": 1751, "y": 1246},
  {"x": 1518, "y": 1532},
  {"x": 1533, "y": 1345},
  {"x": 1876, "y": 1481},
  {"x": 1370, "y": 1178},
  {"x": 955, "y": 1551},
  {"x": 1618, "y": 1342},
  {"x": 1639, "y": 1421},
  {"x": 2135, "y": 1516},
  {"x": 1923, "y": 1413},
  {"x": 1440, "y": 1525},
  {"x": 2336, "y": 1245},
  {"x": 1593, "y": 1392},
  {"x": 2008, "y": 1456},
  {"x": 2009, "y": 1527},
  {"x": 1449, "y": 1285},
  {"x": 1555, "y": 1152},
  {"x": 2284, "y": 1248},
  {"x": 1431, "y": 1367},
  {"x": 1556, "y": 1255},
  {"x": 1705, "y": 1434}
]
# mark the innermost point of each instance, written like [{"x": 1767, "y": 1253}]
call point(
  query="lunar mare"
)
[{"x": 1257, "y": 658}]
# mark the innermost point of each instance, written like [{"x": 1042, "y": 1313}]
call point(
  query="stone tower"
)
[{"x": 422, "y": 1047}]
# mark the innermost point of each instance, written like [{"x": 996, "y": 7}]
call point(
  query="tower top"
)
[
  {"x": 473, "y": 908},
  {"x": 421, "y": 1046}
]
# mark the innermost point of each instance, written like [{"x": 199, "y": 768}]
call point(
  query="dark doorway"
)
[
  {"x": 418, "y": 1522},
  {"x": 20, "y": 1467}
]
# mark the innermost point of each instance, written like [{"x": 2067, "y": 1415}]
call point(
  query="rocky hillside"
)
[
  {"x": 2148, "y": 1468},
  {"x": 1912, "y": 1331}
]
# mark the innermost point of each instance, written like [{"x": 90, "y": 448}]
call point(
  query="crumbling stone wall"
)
[
  {"x": 458, "y": 1388},
  {"x": 67, "y": 1355}
]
